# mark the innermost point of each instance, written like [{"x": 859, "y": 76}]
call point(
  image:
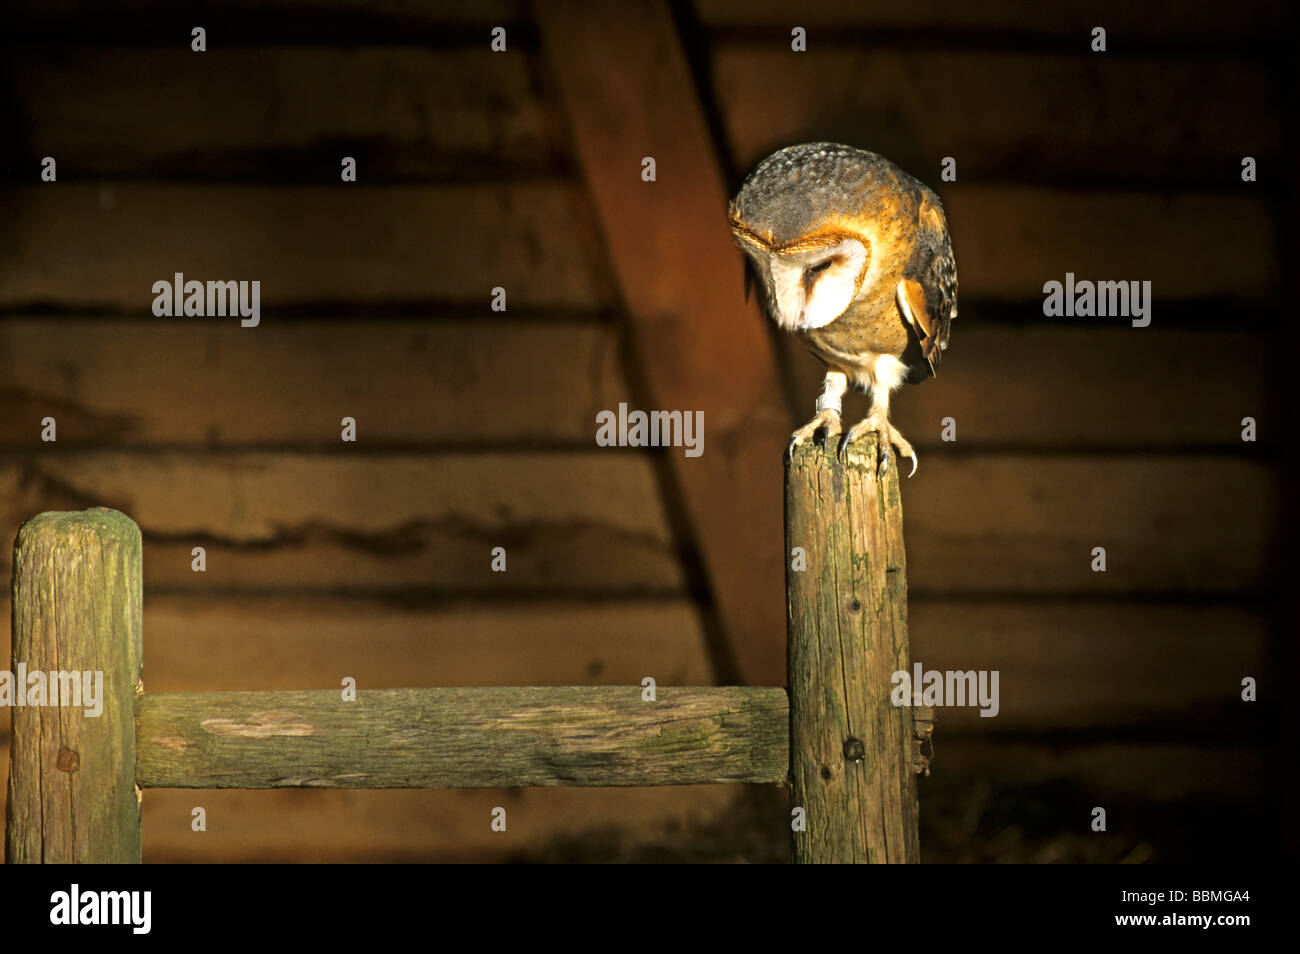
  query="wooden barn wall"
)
[{"x": 476, "y": 428}]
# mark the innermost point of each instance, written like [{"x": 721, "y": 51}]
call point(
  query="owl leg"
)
[
  {"x": 829, "y": 405},
  {"x": 887, "y": 435}
]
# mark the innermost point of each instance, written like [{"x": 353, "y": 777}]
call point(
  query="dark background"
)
[{"x": 325, "y": 559}]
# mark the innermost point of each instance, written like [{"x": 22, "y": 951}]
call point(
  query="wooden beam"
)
[
  {"x": 532, "y": 233},
  {"x": 594, "y": 522},
  {"x": 76, "y": 609},
  {"x": 852, "y": 751},
  {"x": 460, "y": 114},
  {"x": 147, "y": 382},
  {"x": 849, "y": 20},
  {"x": 917, "y": 105},
  {"x": 629, "y": 94},
  {"x": 462, "y": 738},
  {"x": 144, "y": 383},
  {"x": 370, "y": 247}
]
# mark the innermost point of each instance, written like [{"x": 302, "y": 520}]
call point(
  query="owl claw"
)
[
  {"x": 884, "y": 462},
  {"x": 887, "y": 438},
  {"x": 827, "y": 421}
]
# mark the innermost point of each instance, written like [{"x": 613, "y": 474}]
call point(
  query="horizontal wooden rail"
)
[{"x": 462, "y": 738}]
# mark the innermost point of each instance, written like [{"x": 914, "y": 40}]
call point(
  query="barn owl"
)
[{"x": 854, "y": 257}]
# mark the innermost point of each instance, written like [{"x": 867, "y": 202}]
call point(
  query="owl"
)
[{"x": 853, "y": 256}]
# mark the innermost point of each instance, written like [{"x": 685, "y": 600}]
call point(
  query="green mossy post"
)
[
  {"x": 853, "y": 753},
  {"x": 77, "y": 592}
]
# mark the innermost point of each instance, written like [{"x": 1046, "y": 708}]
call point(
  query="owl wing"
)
[{"x": 927, "y": 295}]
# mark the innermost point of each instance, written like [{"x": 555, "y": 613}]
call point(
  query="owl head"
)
[{"x": 795, "y": 219}]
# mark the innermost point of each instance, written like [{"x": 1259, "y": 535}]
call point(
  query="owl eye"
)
[{"x": 810, "y": 274}]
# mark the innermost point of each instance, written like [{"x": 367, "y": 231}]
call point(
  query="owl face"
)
[
  {"x": 816, "y": 220},
  {"x": 811, "y": 282}
]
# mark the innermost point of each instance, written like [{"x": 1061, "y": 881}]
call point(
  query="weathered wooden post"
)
[
  {"x": 852, "y": 751},
  {"x": 77, "y": 594}
]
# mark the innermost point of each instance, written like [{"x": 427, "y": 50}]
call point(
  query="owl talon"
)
[
  {"x": 887, "y": 438},
  {"x": 827, "y": 421}
]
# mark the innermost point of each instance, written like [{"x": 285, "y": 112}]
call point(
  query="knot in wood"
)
[
  {"x": 67, "y": 760},
  {"x": 854, "y": 750}
]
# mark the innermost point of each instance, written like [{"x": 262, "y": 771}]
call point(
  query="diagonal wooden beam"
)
[{"x": 629, "y": 94}]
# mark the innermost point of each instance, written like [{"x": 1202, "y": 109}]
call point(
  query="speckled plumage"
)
[{"x": 855, "y": 258}]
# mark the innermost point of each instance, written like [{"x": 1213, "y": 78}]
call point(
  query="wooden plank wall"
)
[{"x": 476, "y": 428}]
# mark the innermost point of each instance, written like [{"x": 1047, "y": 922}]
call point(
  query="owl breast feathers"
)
[{"x": 853, "y": 255}]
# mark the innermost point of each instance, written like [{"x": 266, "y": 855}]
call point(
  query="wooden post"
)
[
  {"x": 852, "y": 752},
  {"x": 76, "y": 607}
]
